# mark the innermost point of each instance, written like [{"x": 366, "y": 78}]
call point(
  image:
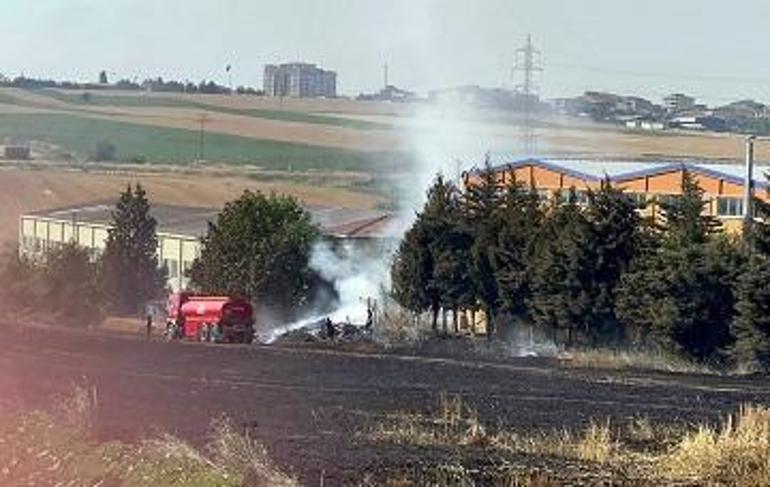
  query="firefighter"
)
[
  {"x": 369, "y": 317},
  {"x": 148, "y": 322},
  {"x": 329, "y": 328}
]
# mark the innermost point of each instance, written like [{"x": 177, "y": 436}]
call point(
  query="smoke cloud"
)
[
  {"x": 446, "y": 136},
  {"x": 359, "y": 276}
]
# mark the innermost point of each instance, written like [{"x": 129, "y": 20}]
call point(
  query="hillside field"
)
[
  {"x": 24, "y": 191},
  {"x": 79, "y": 136}
]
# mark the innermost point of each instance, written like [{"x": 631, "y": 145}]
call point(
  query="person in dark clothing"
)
[
  {"x": 149, "y": 325},
  {"x": 329, "y": 328},
  {"x": 369, "y": 318}
]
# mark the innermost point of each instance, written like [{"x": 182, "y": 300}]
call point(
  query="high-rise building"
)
[
  {"x": 299, "y": 80},
  {"x": 679, "y": 102}
]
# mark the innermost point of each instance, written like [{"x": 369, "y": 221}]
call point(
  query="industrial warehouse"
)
[
  {"x": 646, "y": 181},
  {"x": 180, "y": 230}
]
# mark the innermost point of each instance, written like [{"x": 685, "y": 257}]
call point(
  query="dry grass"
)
[
  {"x": 621, "y": 360},
  {"x": 737, "y": 453},
  {"x": 245, "y": 457},
  {"x": 77, "y": 409},
  {"x": 597, "y": 444},
  {"x": 59, "y": 448},
  {"x": 456, "y": 424}
]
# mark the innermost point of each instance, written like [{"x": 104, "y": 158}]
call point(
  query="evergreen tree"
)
[
  {"x": 751, "y": 325},
  {"x": 561, "y": 271},
  {"x": 412, "y": 271},
  {"x": 684, "y": 219},
  {"x": 260, "y": 249},
  {"x": 451, "y": 251},
  {"x": 17, "y": 273},
  {"x": 682, "y": 299},
  {"x": 521, "y": 215},
  {"x": 431, "y": 269},
  {"x": 615, "y": 228},
  {"x": 130, "y": 270},
  {"x": 70, "y": 284},
  {"x": 482, "y": 202},
  {"x": 758, "y": 232}
]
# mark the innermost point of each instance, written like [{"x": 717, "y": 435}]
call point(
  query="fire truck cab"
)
[{"x": 219, "y": 319}]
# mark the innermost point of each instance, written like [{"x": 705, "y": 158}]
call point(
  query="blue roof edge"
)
[{"x": 654, "y": 169}]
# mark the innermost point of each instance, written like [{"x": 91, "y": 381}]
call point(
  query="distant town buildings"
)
[
  {"x": 678, "y": 111},
  {"x": 389, "y": 93},
  {"x": 17, "y": 152},
  {"x": 299, "y": 80},
  {"x": 679, "y": 102}
]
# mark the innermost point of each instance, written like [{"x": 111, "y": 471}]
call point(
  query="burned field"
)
[{"x": 339, "y": 416}]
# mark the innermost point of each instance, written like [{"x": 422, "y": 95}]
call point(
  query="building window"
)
[
  {"x": 639, "y": 199},
  {"x": 729, "y": 206},
  {"x": 581, "y": 197},
  {"x": 186, "y": 267},
  {"x": 30, "y": 244},
  {"x": 172, "y": 266}
]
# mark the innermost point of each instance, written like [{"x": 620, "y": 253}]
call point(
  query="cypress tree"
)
[
  {"x": 758, "y": 233},
  {"x": 751, "y": 325},
  {"x": 615, "y": 228},
  {"x": 412, "y": 271},
  {"x": 680, "y": 297},
  {"x": 431, "y": 268},
  {"x": 130, "y": 271},
  {"x": 560, "y": 271},
  {"x": 684, "y": 220},
  {"x": 481, "y": 206},
  {"x": 521, "y": 215}
]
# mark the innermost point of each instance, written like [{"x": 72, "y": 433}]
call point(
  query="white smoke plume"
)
[
  {"x": 359, "y": 279},
  {"x": 446, "y": 136}
]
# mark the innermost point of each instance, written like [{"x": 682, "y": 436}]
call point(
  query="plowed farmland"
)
[{"x": 310, "y": 406}]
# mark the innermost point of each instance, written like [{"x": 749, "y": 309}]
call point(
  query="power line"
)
[{"x": 661, "y": 75}]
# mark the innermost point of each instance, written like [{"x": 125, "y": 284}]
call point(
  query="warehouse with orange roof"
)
[{"x": 646, "y": 181}]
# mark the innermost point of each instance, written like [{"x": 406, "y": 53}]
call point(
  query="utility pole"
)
[
  {"x": 203, "y": 120},
  {"x": 386, "y": 76},
  {"x": 748, "y": 196},
  {"x": 528, "y": 62}
]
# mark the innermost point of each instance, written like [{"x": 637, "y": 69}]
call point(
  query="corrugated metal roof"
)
[
  {"x": 619, "y": 171},
  {"x": 193, "y": 222}
]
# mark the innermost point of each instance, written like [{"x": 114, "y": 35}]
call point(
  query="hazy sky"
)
[{"x": 714, "y": 49}]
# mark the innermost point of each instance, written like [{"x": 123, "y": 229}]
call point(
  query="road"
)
[{"x": 307, "y": 405}]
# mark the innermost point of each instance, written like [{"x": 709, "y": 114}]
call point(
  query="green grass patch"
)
[
  {"x": 169, "y": 145},
  {"x": 97, "y": 99}
]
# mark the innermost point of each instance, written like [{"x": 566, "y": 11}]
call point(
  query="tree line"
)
[
  {"x": 150, "y": 84},
  {"x": 591, "y": 273},
  {"x": 79, "y": 286},
  {"x": 258, "y": 248}
]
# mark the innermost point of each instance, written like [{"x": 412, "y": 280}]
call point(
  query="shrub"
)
[{"x": 104, "y": 151}]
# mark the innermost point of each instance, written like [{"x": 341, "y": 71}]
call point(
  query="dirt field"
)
[
  {"x": 309, "y": 405},
  {"x": 23, "y": 191}
]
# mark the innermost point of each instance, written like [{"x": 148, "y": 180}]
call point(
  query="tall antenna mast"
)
[{"x": 528, "y": 62}]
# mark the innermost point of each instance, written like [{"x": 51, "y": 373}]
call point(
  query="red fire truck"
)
[{"x": 217, "y": 319}]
